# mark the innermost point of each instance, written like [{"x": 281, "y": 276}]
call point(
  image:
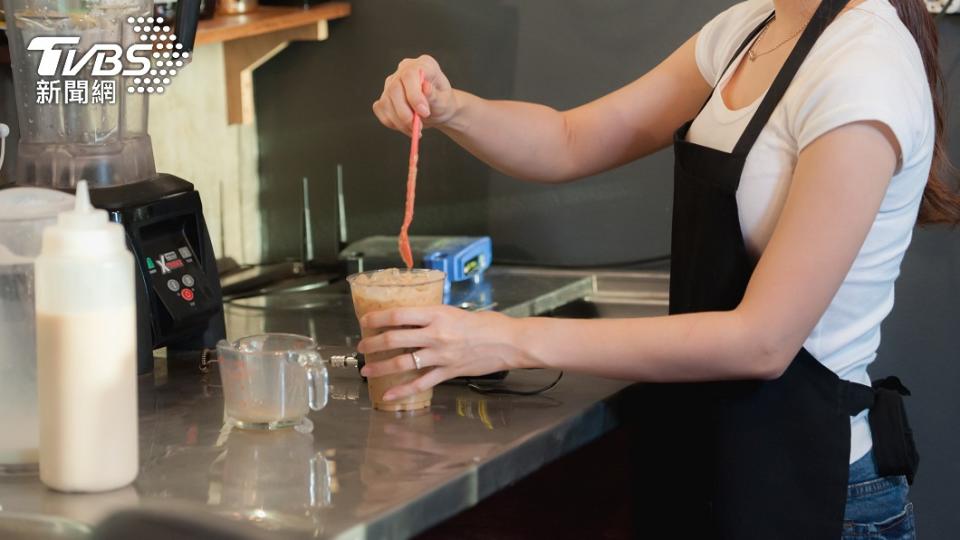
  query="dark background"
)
[{"x": 313, "y": 104}]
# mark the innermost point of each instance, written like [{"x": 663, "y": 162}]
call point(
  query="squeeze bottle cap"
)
[
  {"x": 83, "y": 215},
  {"x": 84, "y": 231}
]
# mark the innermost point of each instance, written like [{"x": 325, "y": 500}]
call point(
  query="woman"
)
[{"x": 816, "y": 141}]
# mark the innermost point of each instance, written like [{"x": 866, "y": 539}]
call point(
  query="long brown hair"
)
[{"x": 941, "y": 203}]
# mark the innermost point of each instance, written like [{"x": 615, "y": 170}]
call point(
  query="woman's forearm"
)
[
  {"x": 693, "y": 347},
  {"x": 536, "y": 142}
]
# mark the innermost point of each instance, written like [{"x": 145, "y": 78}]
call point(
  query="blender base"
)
[{"x": 179, "y": 301}]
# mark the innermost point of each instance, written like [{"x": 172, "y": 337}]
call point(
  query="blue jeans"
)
[{"x": 877, "y": 508}]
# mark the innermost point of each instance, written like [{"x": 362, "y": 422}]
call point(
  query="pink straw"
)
[{"x": 404, "y": 240}]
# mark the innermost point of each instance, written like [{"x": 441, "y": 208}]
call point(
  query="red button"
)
[{"x": 187, "y": 294}]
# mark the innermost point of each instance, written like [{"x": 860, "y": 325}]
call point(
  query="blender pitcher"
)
[
  {"x": 24, "y": 212},
  {"x": 272, "y": 381},
  {"x": 62, "y": 141}
]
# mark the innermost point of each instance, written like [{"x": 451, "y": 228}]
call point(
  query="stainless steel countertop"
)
[{"x": 361, "y": 473}]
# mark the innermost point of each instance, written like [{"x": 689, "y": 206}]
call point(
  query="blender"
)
[{"x": 104, "y": 141}]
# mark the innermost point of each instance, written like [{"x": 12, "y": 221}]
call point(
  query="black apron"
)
[{"x": 750, "y": 459}]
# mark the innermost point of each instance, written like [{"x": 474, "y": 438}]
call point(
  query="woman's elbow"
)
[
  {"x": 773, "y": 368},
  {"x": 771, "y": 360},
  {"x": 767, "y": 349}
]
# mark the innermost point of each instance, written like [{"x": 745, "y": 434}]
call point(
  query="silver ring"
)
[{"x": 416, "y": 360}]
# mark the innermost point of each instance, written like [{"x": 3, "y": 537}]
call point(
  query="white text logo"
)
[
  {"x": 106, "y": 58},
  {"x": 148, "y": 65}
]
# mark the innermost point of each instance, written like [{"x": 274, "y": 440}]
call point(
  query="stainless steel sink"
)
[
  {"x": 600, "y": 308},
  {"x": 617, "y": 294}
]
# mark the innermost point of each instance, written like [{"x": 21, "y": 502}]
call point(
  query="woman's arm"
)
[
  {"x": 838, "y": 185},
  {"x": 535, "y": 142}
]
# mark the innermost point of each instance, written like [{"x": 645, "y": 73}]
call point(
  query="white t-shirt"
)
[{"x": 866, "y": 66}]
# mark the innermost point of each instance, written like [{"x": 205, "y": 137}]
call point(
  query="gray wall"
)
[{"x": 314, "y": 111}]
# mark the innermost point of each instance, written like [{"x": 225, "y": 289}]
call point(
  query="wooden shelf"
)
[
  {"x": 267, "y": 19},
  {"x": 250, "y": 40},
  {"x": 263, "y": 20}
]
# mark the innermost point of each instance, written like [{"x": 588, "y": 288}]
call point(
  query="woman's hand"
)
[
  {"x": 451, "y": 341},
  {"x": 435, "y": 101}
]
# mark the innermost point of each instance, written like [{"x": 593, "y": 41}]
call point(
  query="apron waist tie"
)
[{"x": 894, "y": 447}]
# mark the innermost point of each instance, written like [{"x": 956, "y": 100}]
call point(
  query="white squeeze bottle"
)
[{"x": 86, "y": 352}]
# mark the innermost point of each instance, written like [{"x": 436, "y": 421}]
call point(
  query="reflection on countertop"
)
[
  {"x": 360, "y": 472},
  {"x": 274, "y": 480}
]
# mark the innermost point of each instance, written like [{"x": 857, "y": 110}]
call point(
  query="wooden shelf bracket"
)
[{"x": 243, "y": 55}]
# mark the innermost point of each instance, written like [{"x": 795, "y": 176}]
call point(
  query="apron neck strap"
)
[
  {"x": 749, "y": 39},
  {"x": 825, "y": 14}
]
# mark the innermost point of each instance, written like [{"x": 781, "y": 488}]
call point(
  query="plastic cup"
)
[{"x": 392, "y": 288}]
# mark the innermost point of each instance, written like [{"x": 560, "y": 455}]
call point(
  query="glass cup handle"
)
[{"x": 318, "y": 384}]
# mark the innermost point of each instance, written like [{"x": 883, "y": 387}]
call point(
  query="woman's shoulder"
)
[
  {"x": 866, "y": 66},
  {"x": 872, "y": 27},
  {"x": 870, "y": 50}
]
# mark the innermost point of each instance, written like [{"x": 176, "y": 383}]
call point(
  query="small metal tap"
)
[{"x": 352, "y": 360}]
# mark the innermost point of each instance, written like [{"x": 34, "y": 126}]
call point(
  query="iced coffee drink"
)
[{"x": 393, "y": 288}]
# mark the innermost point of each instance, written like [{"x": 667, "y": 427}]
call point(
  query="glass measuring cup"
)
[{"x": 272, "y": 381}]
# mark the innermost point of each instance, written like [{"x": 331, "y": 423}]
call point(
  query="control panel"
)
[{"x": 178, "y": 279}]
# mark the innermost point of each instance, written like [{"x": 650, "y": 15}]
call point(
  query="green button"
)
[{"x": 149, "y": 263}]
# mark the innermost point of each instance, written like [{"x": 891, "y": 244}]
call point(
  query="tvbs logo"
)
[
  {"x": 148, "y": 65},
  {"x": 107, "y": 58}
]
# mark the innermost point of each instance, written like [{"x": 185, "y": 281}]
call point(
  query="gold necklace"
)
[{"x": 753, "y": 55}]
